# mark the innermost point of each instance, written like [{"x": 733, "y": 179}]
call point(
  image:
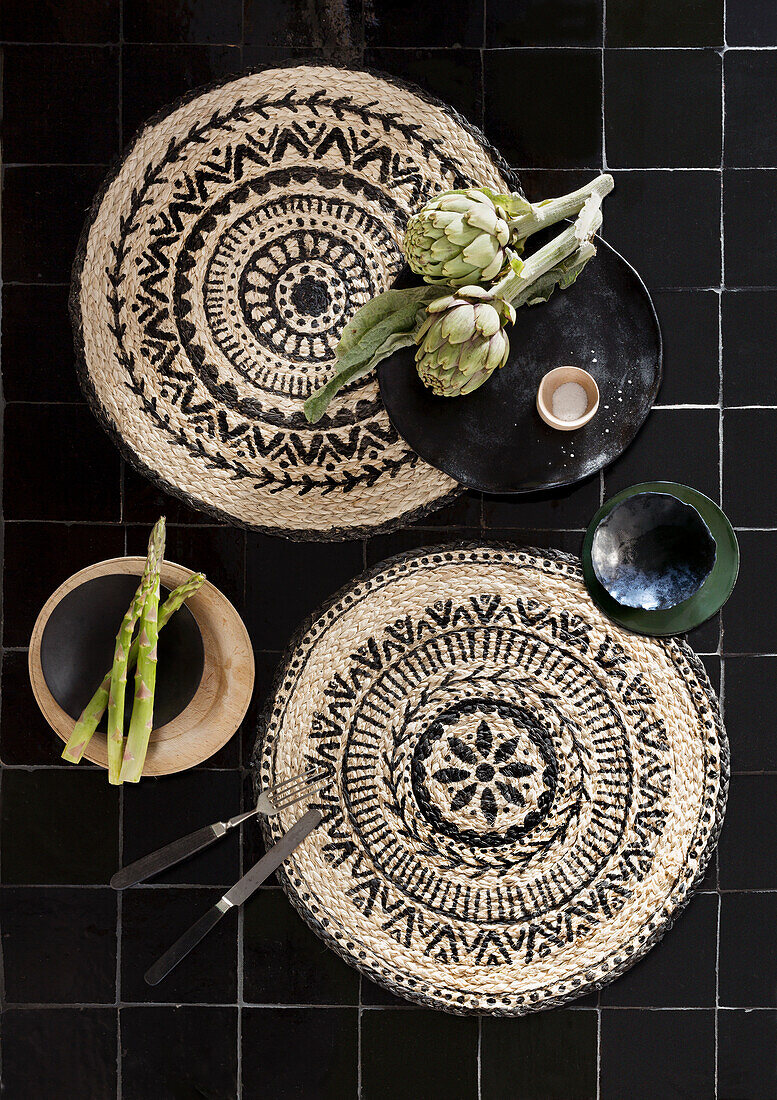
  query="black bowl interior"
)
[
  {"x": 652, "y": 551},
  {"x": 78, "y": 642}
]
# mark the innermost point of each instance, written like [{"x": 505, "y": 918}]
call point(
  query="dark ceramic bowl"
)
[{"x": 652, "y": 551}]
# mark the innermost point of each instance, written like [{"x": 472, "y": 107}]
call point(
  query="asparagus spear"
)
[
  {"x": 118, "y": 684},
  {"x": 95, "y": 708},
  {"x": 142, "y": 719}
]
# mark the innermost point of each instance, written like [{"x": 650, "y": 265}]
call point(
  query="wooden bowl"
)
[
  {"x": 551, "y": 382},
  {"x": 216, "y": 708}
]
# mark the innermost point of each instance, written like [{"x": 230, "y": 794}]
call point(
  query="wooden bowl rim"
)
[
  {"x": 224, "y": 694},
  {"x": 573, "y": 374}
]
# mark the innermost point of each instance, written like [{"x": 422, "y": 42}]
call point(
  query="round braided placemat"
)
[
  {"x": 219, "y": 265},
  {"x": 524, "y": 796}
]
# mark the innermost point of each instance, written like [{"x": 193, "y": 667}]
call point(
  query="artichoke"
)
[
  {"x": 459, "y": 237},
  {"x": 462, "y": 341}
]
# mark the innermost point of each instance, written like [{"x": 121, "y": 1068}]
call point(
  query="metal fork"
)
[{"x": 276, "y": 798}]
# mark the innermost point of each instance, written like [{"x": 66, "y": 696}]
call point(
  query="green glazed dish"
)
[{"x": 699, "y": 607}]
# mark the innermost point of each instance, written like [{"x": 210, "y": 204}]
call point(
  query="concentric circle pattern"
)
[
  {"x": 219, "y": 267},
  {"x": 523, "y": 796}
]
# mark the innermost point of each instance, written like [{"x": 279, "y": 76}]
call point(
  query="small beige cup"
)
[{"x": 551, "y": 382}]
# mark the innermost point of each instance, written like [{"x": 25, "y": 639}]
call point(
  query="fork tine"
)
[
  {"x": 310, "y": 776},
  {"x": 298, "y": 797}
]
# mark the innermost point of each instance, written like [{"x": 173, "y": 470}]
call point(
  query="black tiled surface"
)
[
  {"x": 747, "y": 1067},
  {"x": 64, "y": 107},
  {"x": 80, "y": 76},
  {"x": 650, "y": 1054},
  {"x": 667, "y": 23},
  {"x": 188, "y": 1051},
  {"x": 59, "y": 1052},
  {"x": 439, "y": 1054},
  {"x": 542, "y": 78},
  {"x": 520, "y": 1058},
  {"x": 649, "y": 96},
  {"x": 748, "y": 950},
  {"x": 690, "y": 331},
  {"x": 59, "y": 945},
  {"x": 544, "y": 23}
]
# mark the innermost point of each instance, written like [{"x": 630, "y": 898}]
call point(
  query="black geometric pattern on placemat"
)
[
  {"x": 401, "y": 900},
  {"x": 299, "y": 460}
]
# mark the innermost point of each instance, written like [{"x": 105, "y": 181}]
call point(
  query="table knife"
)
[{"x": 238, "y": 894}]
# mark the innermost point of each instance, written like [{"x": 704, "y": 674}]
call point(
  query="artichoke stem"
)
[{"x": 551, "y": 211}]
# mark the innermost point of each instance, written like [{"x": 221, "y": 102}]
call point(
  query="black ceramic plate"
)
[
  {"x": 494, "y": 439},
  {"x": 707, "y": 600},
  {"x": 78, "y": 641}
]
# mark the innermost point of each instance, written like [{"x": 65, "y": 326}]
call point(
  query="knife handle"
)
[
  {"x": 165, "y": 857},
  {"x": 185, "y": 943}
]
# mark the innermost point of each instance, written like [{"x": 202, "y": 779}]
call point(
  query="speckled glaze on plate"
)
[
  {"x": 494, "y": 439},
  {"x": 710, "y": 597}
]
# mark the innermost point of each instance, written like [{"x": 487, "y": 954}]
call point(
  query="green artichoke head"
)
[
  {"x": 462, "y": 341},
  {"x": 459, "y": 237}
]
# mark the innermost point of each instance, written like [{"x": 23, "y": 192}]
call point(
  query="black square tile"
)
[
  {"x": 268, "y": 57},
  {"x": 748, "y": 434},
  {"x": 154, "y": 77},
  {"x": 286, "y": 963},
  {"x": 59, "y": 465},
  {"x": 59, "y": 1052},
  {"x": 749, "y": 338},
  {"x": 750, "y": 683},
  {"x": 59, "y": 945},
  {"x": 520, "y": 1058},
  {"x": 665, "y": 23},
  {"x": 405, "y": 23},
  {"x": 751, "y": 23},
  {"x": 143, "y": 502},
  {"x": 680, "y": 971},
  {"x": 558, "y": 509},
  {"x": 337, "y": 28},
  {"x": 750, "y": 616},
  {"x": 748, "y": 950},
  {"x": 324, "y": 1065},
  {"x": 438, "y": 1051},
  {"x": 750, "y": 227},
  {"x": 25, "y": 736},
  {"x": 287, "y": 581},
  {"x": 751, "y": 78},
  {"x": 649, "y": 97},
  {"x": 218, "y": 552},
  {"x": 151, "y": 920},
  {"x": 674, "y": 445},
  {"x": 544, "y": 23},
  {"x": 58, "y": 550},
  {"x": 747, "y": 1067},
  {"x": 59, "y": 21},
  {"x": 179, "y": 1052},
  {"x": 465, "y": 510},
  {"x": 158, "y": 811},
  {"x": 61, "y": 104},
  {"x": 746, "y": 849},
  {"x": 569, "y": 542},
  {"x": 689, "y": 331},
  {"x": 705, "y": 638},
  {"x": 675, "y": 241},
  {"x": 374, "y": 994},
  {"x": 451, "y": 75},
  {"x": 44, "y": 209},
  {"x": 38, "y": 360},
  {"x": 650, "y": 1054},
  {"x": 59, "y": 826},
  {"x": 381, "y": 547},
  {"x": 540, "y": 81},
  {"x": 194, "y": 21}
]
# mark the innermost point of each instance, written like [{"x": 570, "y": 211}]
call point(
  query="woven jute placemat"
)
[
  {"x": 218, "y": 267},
  {"x": 523, "y": 796}
]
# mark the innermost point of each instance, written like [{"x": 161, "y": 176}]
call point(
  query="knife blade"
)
[{"x": 235, "y": 896}]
